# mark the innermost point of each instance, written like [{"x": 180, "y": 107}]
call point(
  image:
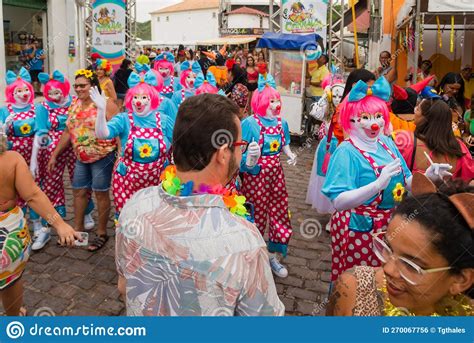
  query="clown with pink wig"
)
[
  {"x": 324, "y": 110},
  {"x": 50, "y": 123},
  {"x": 263, "y": 182},
  {"x": 145, "y": 134},
  {"x": 167, "y": 106},
  {"x": 189, "y": 72},
  {"x": 164, "y": 64},
  {"x": 207, "y": 84},
  {"x": 367, "y": 177},
  {"x": 17, "y": 118}
]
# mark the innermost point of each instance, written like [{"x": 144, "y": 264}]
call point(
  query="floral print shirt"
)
[
  {"x": 190, "y": 256},
  {"x": 81, "y": 124}
]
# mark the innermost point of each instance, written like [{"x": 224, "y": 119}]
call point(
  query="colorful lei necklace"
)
[
  {"x": 174, "y": 186},
  {"x": 458, "y": 305}
]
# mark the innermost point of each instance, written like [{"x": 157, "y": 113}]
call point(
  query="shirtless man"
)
[{"x": 16, "y": 181}]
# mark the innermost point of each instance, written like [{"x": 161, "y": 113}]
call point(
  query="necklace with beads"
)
[{"x": 174, "y": 186}]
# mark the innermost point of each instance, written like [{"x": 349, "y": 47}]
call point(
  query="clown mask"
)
[
  {"x": 367, "y": 126},
  {"x": 190, "y": 79},
  {"x": 337, "y": 90},
  {"x": 22, "y": 95},
  {"x": 165, "y": 72},
  {"x": 274, "y": 108},
  {"x": 141, "y": 104},
  {"x": 56, "y": 95}
]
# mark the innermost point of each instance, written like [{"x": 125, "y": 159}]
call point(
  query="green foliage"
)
[{"x": 144, "y": 30}]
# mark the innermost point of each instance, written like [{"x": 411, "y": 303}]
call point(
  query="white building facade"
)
[{"x": 185, "y": 23}]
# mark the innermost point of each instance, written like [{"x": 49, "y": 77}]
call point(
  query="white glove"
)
[
  {"x": 438, "y": 171},
  {"x": 389, "y": 171},
  {"x": 101, "y": 129},
  {"x": 253, "y": 154},
  {"x": 99, "y": 99},
  {"x": 291, "y": 156}
]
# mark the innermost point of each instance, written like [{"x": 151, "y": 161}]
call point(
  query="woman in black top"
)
[{"x": 120, "y": 81}]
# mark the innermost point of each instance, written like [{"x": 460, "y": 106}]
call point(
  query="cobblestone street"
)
[{"x": 76, "y": 282}]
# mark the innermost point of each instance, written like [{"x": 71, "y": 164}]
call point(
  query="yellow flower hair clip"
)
[{"x": 85, "y": 72}]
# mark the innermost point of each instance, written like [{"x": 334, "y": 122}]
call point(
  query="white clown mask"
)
[
  {"x": 165, "y": 72},
  {"x": 22, "y": 95},
  {"x": 56, "y": 95},
  {"x": 367, "y": 126},
  {"x": 274, "y": 108},
  {"x": 336, "y": 93},
  {"x": 190, "y": 79},
  {"x": 141, "y": 104}
]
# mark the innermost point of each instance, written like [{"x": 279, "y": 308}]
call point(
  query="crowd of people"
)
[{"x": 191, "y": 145}]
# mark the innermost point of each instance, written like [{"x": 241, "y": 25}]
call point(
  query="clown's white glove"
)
[
  {"x": 291, "y": 156},
  {"x": 101, "y": 129},
  {"x": 438, "y": 171},
  {"x": 356, "y": 197},
  {"x": 389, "y": 171},
  {"x": 253, "y": 154}
]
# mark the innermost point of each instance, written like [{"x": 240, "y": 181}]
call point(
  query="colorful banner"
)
[
  {"x": 304, "y": 16},
  {"x": 108, "y": 30}
]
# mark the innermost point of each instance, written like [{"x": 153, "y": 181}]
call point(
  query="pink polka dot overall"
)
[
  {"x": 354, "y": 248},
  {"x": 267, "y": 191},
  {"x": 52, "y": 183},
  {"x": 170, "y": 88},
  {"x": 138, "y": 175}
]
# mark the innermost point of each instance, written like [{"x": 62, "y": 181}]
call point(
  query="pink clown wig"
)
[
  {"x": 330, "y": 80},
  {"x": 206, "y": 87},
  {"x": 370, "y": 104},
  {"x": 11, "y": 88},
  {"x": 261, "y": 100},
  {"x": 142, "y": 88},
  {"x": 64, "y": 87},
  {"x": 165, "y": 65},
  {"x": 160, "y": 82},
  {"x": 183, "y": 77}
]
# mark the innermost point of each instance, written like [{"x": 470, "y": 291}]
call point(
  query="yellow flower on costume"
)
[
  {"x": 274, "y": 146},
  {"x": 145, "y": 150},
  {"x": 25, "y": 129},
  {"x": 398, "y": 192}
]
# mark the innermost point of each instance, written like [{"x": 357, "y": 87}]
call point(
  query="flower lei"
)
[
  {"x": 174, "y": 186},
  {"x": 458, "y": 305},
  {"x": 84, "y": 72}
]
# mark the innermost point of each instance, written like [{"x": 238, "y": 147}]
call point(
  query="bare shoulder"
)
[
  {"x": 343, "y": 296},
  {"x": 11, "y": 157}
]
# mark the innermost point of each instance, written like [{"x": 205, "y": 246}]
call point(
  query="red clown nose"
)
[
  {"x": 374, "y": 127},
  {"x": 139, "y": 103},
  {"x": 278, "y": 108}
]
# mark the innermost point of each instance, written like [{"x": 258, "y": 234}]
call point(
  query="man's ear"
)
[{"x": 221, "y": 154}]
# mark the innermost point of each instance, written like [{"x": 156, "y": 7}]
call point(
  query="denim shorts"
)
[{"x": 96, "y": 176}]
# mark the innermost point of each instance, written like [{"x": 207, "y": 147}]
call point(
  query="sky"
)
[{"x": 144, "y": 7}]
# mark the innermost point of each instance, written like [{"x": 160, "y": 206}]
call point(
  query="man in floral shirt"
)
[{"x": 186, "y": 248}]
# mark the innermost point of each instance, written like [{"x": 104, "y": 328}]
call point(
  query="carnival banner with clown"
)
[
  {"x": 304, "y": 16},
  {"x": 108, "y": 30}
]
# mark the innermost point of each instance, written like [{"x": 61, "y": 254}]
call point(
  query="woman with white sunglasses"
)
[{"x": 427, "y": 256}]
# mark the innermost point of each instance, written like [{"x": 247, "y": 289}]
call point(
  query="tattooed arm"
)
[{"x": 343, "y": 297}]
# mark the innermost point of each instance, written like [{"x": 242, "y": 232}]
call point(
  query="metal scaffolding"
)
[
  {"x": 275, "y": 17},
  {"x": 84, "y": 29},
  {"x": 336, "y": 33}
]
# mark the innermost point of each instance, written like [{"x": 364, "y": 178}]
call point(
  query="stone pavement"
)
[{"x": 75, "y": 282}]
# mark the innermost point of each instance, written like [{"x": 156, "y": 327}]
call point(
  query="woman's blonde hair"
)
[{"x": 3, "y": 142}]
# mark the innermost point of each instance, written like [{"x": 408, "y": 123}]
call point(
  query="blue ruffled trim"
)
[{"x": 278, "y": 247}]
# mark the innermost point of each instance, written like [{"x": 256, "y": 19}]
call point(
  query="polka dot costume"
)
[
  {"x": 267, "y": 191},
  {"x": 138, "y": 174},
  {"x": 354, "y": 248}
]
